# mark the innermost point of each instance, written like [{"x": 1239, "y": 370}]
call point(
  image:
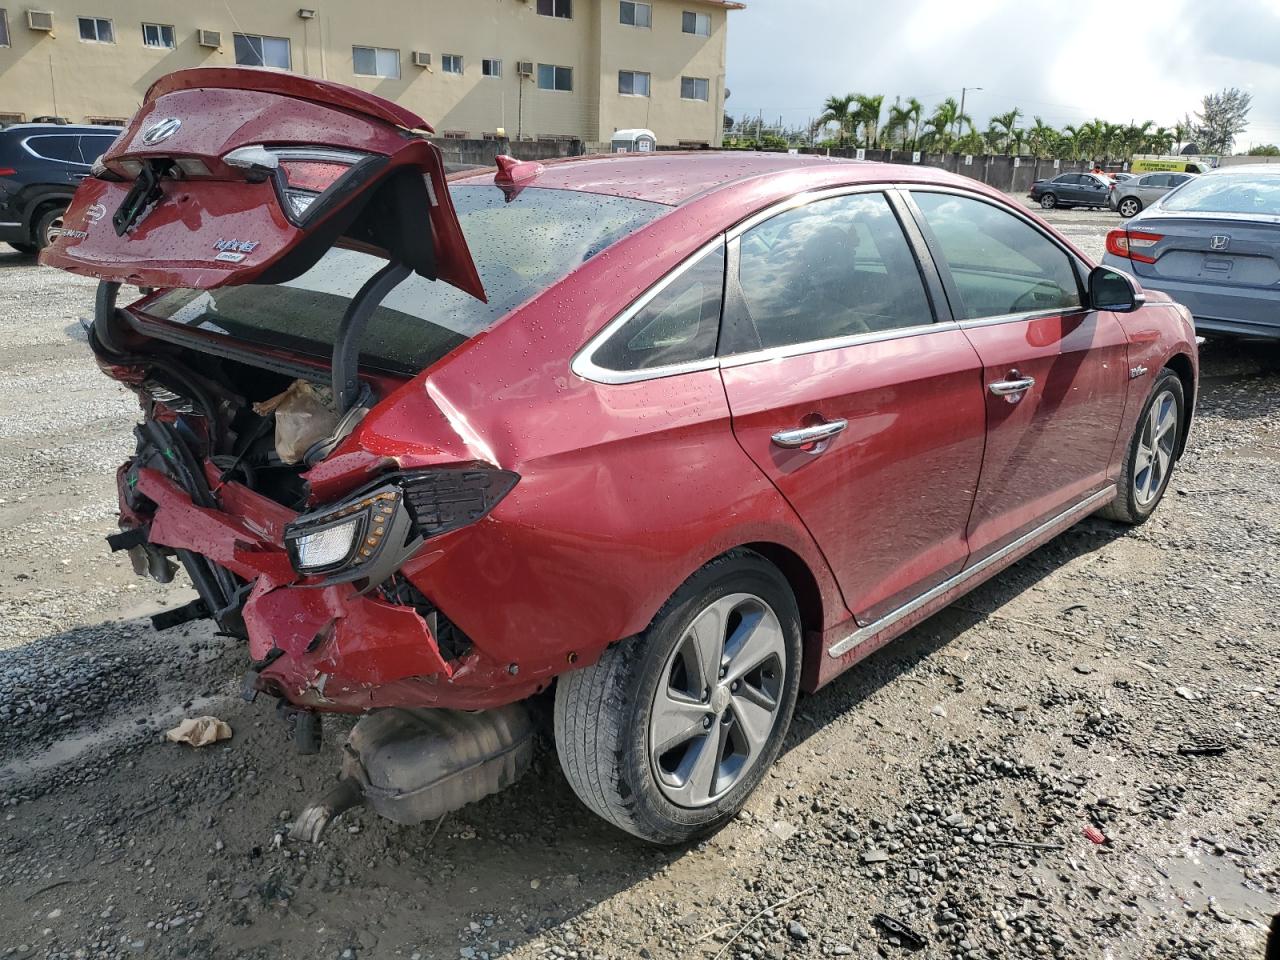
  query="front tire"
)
[
  {"x": 670, "y": 731},
  {"x": 1129, "y": 207},
  {"x": 1149, "y": 462},
  {"x": 24, "y": 248}
]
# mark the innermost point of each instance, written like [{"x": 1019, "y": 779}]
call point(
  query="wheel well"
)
[
  {"x": 40, "y": 207},
  {"x": 799, "y": 577},
  {"x": 1180, "y": 364}
]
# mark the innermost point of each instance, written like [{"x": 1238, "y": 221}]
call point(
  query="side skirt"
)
[{"x": 842, "y": 652}]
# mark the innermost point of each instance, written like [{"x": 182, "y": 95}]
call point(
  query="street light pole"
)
[{"x": 963, "y": 91}]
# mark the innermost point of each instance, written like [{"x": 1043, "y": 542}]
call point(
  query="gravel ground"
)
[{"x": 946, "y": 782}]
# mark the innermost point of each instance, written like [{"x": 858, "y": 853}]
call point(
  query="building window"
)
[
  {"x": 632, "y": 83},
  {"x": 551, "y": 77},
  {"x": 96, "y": 30},
  {"x": 696, "y": 23},
  {"x": 255, "y": 51},
  {"x": 106, "y": 122},
  {"x": 375, "y": 62},
  {"x": 158, "y": 35},
  {"x": 11, "y": 117},
  {"x": 695, "y": 88},
  {"x": 556, "y": 8},
  {"x": 4, "y": 27},
  {"x": 454, "y": 134},
  {"x": 491, "y": 68},
  {"x": 451, "y": 63},
  {"x": 635, "y": 14}
]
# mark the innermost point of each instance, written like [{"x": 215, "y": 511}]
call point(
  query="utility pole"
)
[{"x": 963, "y": 91}]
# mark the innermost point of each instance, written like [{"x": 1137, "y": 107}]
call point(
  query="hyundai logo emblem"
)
[
  {"x": 161, "y": 130},
  {"x": 1219, "y": 242}
]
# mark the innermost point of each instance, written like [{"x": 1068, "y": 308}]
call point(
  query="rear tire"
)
[
  {"x": 1048, "y": 201},
  {"x": 49, "y": 227},
  {"x": 1129, "y": 207},
  {"x": 26, "y": 248},
  {"x": 1149, "y": 461},
  {"x": 721, "y": 725}
]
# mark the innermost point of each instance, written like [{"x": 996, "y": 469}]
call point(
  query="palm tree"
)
[
  {"x": 1017, "y": 140},
  {"x": 1004, "y": 123},
  {"x": 1070, "y": 143},
  {"x": 1182, "y": 132},
  {"x": 899, "y": 123},
  {"x": 945, "y": 121},
  {"x": 971, "y": 142},
  {"x": 1042, "y": 138},
  {"x": 915, "y": 110},
  {"x": 868, "y": 116},
  {"x": 1161, "y": 140},
  {"x": 840, "y": 111}
]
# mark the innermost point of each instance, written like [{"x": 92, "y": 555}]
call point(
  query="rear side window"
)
[
  {"x": 999, "y": 263},
  {"x": 56, "y": 147},
  {"x": 520, "y": 246},
  {"x": 832, "y": 268},
  {"x": 679, "y": 324},
  {"x": 1156, "y": 180}
]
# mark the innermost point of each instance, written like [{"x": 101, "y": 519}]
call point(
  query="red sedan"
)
[{"x": 678, "y": 435}]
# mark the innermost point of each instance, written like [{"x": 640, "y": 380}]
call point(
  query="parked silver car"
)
[
  {"x": 1213, "y": 244},
  {"x": 1130, "y": 197}
]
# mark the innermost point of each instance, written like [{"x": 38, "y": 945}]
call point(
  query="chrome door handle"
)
[
  {"x": 1004, "y": 388},
  {"x": 803, "y": 436}
]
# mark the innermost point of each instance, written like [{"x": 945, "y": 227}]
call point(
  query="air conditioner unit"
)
[
  {"x": 209, "y": 38},
  {"x": 421, "y": 59},
  {"x": 40, "y": 20},
  {"x": 524, "y": 68}
]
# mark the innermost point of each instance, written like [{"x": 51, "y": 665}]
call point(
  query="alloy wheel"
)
[
  {"x": 1048, "y": 201},
  {"x": 53, "y": 231},
  {"x": 717, "y": 701},
  {"x": 1155, "y": 448},
  {"x": 1128, "y": 208}
]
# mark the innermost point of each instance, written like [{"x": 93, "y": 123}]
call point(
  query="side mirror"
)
[{"x": 1115, "y": 291}]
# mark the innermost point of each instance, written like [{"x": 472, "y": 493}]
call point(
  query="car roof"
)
[{"x": 675, "y": 177}]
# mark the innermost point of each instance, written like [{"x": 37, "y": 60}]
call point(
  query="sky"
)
[{"x": 1063, "y": 60}]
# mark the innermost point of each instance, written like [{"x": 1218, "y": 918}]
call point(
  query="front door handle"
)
[
  {"x": 1014, "y": 385},
  {"x": 803, "y": 436}
]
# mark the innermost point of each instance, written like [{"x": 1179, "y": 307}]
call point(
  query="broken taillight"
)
[{"x": 302, "y": 175}]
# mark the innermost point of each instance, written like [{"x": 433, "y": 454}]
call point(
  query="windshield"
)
[
  {"x": 520, "y": 247},
  {"x": 1257, "y": 193}
]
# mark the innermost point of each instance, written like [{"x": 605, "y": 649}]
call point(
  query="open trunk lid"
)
[{"x": 234, "y": 175}]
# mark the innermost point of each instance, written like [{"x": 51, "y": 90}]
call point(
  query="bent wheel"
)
[{"x": 669, "y": 732}]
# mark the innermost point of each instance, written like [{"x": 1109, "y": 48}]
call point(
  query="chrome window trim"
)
[
  {"x": 1074, "y": 513},
  {"x": 25, "y": 142},
  {"x": 836, "y": 343},
  {"x": 583, "y": 363}
]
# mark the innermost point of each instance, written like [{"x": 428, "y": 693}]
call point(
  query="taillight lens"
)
[
  {"x": 302, "y": 174},
  {"x": 1127, "y": 243},
  {"x": 7, "y": 171}
]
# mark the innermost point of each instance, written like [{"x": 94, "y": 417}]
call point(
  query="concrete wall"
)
[
  {"x": 996, "y": 171},
  {"x": 461, "y": 154},
  {"x": 60, "y": 74}
]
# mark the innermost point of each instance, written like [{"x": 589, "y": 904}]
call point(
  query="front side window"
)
[
  {"x": 92, "y": 146},
  {"x": 698, "y": 24},
  {"x": 551, "y": 77},
  {"x": 635, "y": 14},
  {"x": 375, "y": 62},
  {"x": 999, "y": 263},
  {"x": 158, "y": 35},
  {"x": 256, "y": 51},
  {"x": 695, "y": 88},
  {"x": 491, "y": 68},
  {"x": 556, "y": 8},
  {"x": 451, "y": 63},
  {"x": 96, "y": 30},
  {"x": 680, "y": 324},
  {"x": 832, "y": 268},
  {"x": 632, "y": 83},
  {"x": 521, "y": 245}
]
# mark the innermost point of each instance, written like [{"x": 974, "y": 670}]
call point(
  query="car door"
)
[
  {"x": 1093, "y": 190},
  {"x": 864, "y": 409},
  {"x": 1055, "y": 372},
  {"x": 1152, "y": 187}
]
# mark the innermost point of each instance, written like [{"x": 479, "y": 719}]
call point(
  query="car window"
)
[
  {"x": 1178, "y": 179},
  {"x": 521, "y": 244},
  {"x": 999, "y": 263},
  {"x": 55, "y": 147},
  {"x": 92, "y": 146},
  {"x": 1067, "y": 178},
  {"x": 1252, "y": 192},
  {"x": 1157, "y": 180},
  {"x": 680, "y": 324},
  {"x": 831, "y": 268}
]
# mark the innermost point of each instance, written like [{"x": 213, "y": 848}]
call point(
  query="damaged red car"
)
[{"x": 677, "y": 435}]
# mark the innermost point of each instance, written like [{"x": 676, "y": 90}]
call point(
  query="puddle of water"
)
[
  {"x": 1198, "y": 876},
  {"x": 120, "y": 730}
]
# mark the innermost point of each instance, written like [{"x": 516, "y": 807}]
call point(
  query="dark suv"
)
[{"x": 41, "y": 164}]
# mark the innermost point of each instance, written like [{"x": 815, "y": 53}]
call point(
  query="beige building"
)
[{"x": 474, "y": 68}]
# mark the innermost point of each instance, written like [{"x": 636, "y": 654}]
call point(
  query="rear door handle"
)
[
  {"x": 1016, "y": 384},
  {"x": 803, "y": 436}
]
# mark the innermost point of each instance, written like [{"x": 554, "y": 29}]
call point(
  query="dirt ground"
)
[{"x": 917, "y": 786}]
